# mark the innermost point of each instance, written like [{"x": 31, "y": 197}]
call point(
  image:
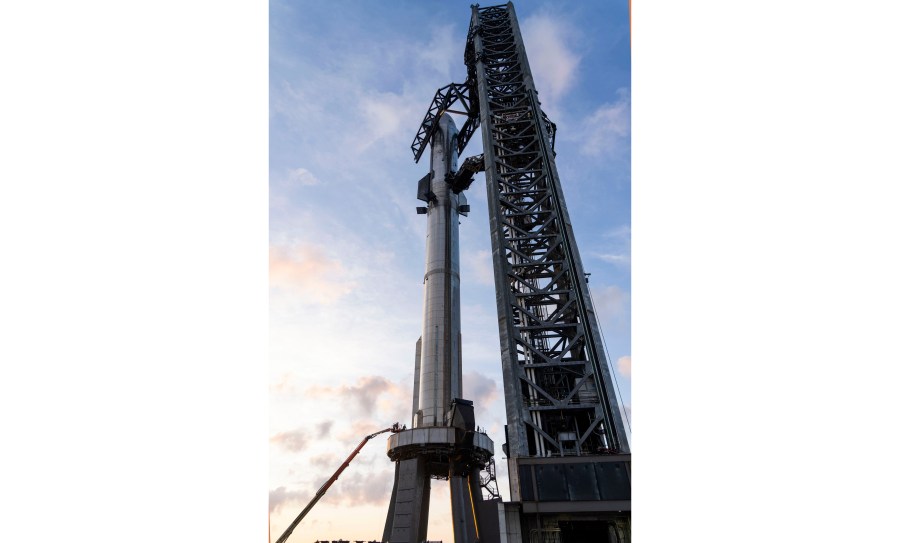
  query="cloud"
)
[
  {"x": 359, "y": 488},
  {"x": 302, "y": 176},
  {"x": 384, "y": 115},
  {"x": 621, "y": 233},
  {"x": 621, "y": 260},
  {"x": 364, "y": 396},
  {"x": 295, "y": 440},
  {"x": 553, "y": 64},
  {"x": 325, "y": 462},
  {"x": 609, "y": 301},
  {"x": 324, "y": 428},
  {"x": 605, "y": 133},
  {"x": 479, "y": 388},
  {"x": 284, "y": 384},
  {"x": 614, "y": 247},
  {"x": 624, "y": 365},
  {"x": 481, "y": 264},
  {"x": 281, "y": 497},
  {"x": 441, "y": 53},
  {"x": 306, "y": 270}
]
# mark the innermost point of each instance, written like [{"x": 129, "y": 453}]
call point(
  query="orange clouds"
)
[
  {"x": 370, "y": 394},
  {"x": 624, "y": 365},
  {"x": 479, "y": 388},
  {"x": 294, "y": 441},
  {"x": 307, "y": 271}
]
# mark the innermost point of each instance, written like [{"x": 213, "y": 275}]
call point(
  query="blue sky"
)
[{"x": 350, "y": 83}]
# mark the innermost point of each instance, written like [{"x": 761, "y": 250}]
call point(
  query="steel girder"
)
[{"x": 445, "y": 97}]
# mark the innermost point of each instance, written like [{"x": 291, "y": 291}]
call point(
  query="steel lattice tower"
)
[{"x": 566, "y": 440}]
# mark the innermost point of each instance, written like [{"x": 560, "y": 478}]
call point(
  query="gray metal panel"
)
[
  {"x": 551, "y": 482},
  {"x": 510, "y": 523},
  {"x": 415, "y": 407},
  {"x": 407, "y": 520},
  {"x": 527, "y": 484},
  {"x": 618, "y": 508},
  {"x": 462, "y": 509},
  {"x": 614, "y": 481},
  {"x": 582, "y": 482},
  {"x": 626, "y": 458}
]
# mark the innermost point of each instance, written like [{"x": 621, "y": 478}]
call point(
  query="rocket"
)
[
  {"x": 438, "y": 370},
  {"x": 444, "y": 441}
]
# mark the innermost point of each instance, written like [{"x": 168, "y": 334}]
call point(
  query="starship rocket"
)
[
  {"x": 439, "y": 363},
  {"x": 443, "y": 442}
]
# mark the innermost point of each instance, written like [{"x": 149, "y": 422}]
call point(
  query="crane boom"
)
[{"x": 324, "y": 488}]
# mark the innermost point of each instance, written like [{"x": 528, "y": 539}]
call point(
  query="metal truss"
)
[
  {"x": 444, "y": 98},
  {"x": 560, "y": 398},
  {"x": 489, "y": 481}
]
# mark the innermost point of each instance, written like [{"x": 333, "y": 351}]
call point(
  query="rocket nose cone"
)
[{"x": 447, "y": 125}]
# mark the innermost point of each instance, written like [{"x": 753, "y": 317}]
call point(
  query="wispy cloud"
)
[
  {"x": 358, "y": 488},
  {"x": 294, "y": 441},
  {"x": 553, "y": 63},
  {"x": 368, "y": 393},
  {"x": 610, "y": 301},
  {"x": 302, "y": 176},
  {"x": 624, "y": 365},
  {"x": 324, "y": 428},
  {"x": 618, "y": 259},
  {"x": 605, "y": 133},
  {"x": 281, "y": 496},
  {"x": 283, "y": 384},
  {"x": 482, "y": 264},
  {"x": 325, "y": 462},
  {"x": 480, "y": 389},
  {"x": 441, "y": 53},
  {"x": 614, "y": 247},
  {"x": 308, "y": 271},
  {"x": 622, "y": 233},
  {"x": 383, "y": 115}
]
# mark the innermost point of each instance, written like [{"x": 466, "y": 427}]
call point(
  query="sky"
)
[{"x": 349, "y": 85}]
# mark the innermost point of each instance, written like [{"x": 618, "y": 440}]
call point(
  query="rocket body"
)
[
  {"x": 444, "y": 441},
  {"x": 440, "y": 362}
]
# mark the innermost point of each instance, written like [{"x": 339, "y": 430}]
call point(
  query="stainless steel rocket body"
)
[
  {"x": 444, "y": 441},
  {"x": 440, "y": 367}
]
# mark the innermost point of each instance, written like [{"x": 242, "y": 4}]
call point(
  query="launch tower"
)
[{"x": 568, "y": 453}]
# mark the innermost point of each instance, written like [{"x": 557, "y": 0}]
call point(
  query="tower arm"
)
[
  {"x": 445, "y": 97},
  {"x": 461, "y": 180}
]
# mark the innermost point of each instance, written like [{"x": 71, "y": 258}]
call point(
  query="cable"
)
[{"x": 612, "y": 368}]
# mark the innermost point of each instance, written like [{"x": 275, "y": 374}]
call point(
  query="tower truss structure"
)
[
  {"x": 559, "y": 391},
  {"x": 568, "y": 451}
]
